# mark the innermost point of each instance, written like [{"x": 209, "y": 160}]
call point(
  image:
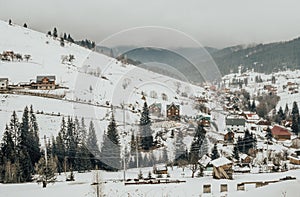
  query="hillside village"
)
[{"x": 166, "y": 132}]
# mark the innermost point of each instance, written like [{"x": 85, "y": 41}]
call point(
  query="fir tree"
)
[
  {"x": 55, "y": 32},
  {"x": 286, "y": 112},
  {"x": 295, "y": 118},
  {"x": 253, "y": 106},
  {"x": 34, "y": 151},
  {"x": 25, "y": 148},
  {"x": 92, "y": 144},
  {"x": 46, "y": 171},
  {"x": 180, "y": 154},
  {"x": 195, "y": 151},
  {"x": 215, "y": 153},
  {"x": 280, "y": 115},
  {"x": 111, "y": 149},
  {"x": 236, "y": 152},
  {"x": 145, "y": 129},
  {"x": 269, "y": 135}
]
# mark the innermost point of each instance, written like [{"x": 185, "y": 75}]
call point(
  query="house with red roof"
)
[{"x": 281, "y": 133}]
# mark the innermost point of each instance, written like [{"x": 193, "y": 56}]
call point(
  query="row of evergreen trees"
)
[
  {"x": 67, "y": 37},
  {"x": 286, "y": 115},
  {"x": 20, "y": 148},
  {"x": 74, "y": 148}
]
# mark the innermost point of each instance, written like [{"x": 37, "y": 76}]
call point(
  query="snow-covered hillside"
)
[{"x": 93, "y": 81}]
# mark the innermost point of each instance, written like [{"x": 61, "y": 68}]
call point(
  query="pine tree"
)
[
  {"x": 7, "y": 146},
  {"x": 253, "y": 106},
  {"x": 236, "y": 152},
  {"x": 55, "y": 32},
  {"x": 111, "y": 149},
  {"x": 196, "y": 147},
  {"x": 215, "y": 153},
  {"x": 14, "y": 126},
  {"x": 280, "y": 115},
  {"x": 46, "y": 171},
  {"x": 60, "y": 142},
  {"x": 92, "y": 145},
  {"x": 295, "y": 118},
  {"x": 269, "y": 135},
  {"x": 71, "y": 143},
  {"x": 145, "y": 129},
  {"x": 286, "y": 112},
  {"x": 179, "y": 148},
  {"x": 24, "y": 145},
  {"x": 34, "y": 151}
]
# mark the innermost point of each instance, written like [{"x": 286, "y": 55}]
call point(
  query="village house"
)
[
  {"x": 160, "y": 169},
  {"x": 245, "y": 159},
  {"x": 235, "y": 123},
  {"x": 173, "y": 112},
  {"x": 155, "y": 109},
  {"x": 262, "y": 125},
  {"x": 294, "y": 160},
  {"x": 281, "y": 133},
  {"x": 251, "y": 117},
  {"x": 229, "y": 137},
  {"x": 3, "y": 84},
  {"x": 292, "y": 87},
  {"x": 44, "y": 83},
  {"x": 222, "y": 168}
]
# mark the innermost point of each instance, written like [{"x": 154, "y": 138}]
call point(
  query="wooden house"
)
[
  {"x": 3, "y": 84},
  {"x": 155, "y": 109},
  {"x": 262, "y": 125},
  {"x": 294, "y": 160},
  {"x": 251, "y": 117},
  {"x": 160, "y": 169},
  {"x": 229, "y": 137},
  {"x": 44, "y": 83},
  {"x": 245, "y": 159},
  {"x": 222, "y": 168},
  {"x": 281, "y": 133},
  {"x": 173, "y": 112},
  {"x": 235, "y": 123}
]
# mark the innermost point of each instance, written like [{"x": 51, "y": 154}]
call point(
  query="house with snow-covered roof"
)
[
  {"x": 173, "y": 112},
  {"x": 222, "y": 168},
  {"x": 235, "y": 123},
  {"x": 44, "y": 83}
]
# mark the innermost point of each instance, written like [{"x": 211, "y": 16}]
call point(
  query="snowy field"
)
[{"x": 192, "y": 187}]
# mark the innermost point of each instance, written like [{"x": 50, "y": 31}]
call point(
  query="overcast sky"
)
[{"x": 216, "y": 23}]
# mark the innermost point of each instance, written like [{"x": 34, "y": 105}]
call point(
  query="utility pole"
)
[
  {"x": 124, "y": 155},
  {"x": 97, "y": 182},
  {"x": 136, "y": 151}
]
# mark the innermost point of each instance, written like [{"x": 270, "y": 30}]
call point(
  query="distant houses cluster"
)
[
  {"x": 172, "y": 111},
  {"x": 47, "y": 82}
]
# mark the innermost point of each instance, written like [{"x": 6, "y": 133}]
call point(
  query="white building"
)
[{"x": 3, "y": 83}]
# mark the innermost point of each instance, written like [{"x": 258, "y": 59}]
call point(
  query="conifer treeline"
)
[
  {"x": 74, "y": 148},
  {"x": 20, "y": 148}
]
